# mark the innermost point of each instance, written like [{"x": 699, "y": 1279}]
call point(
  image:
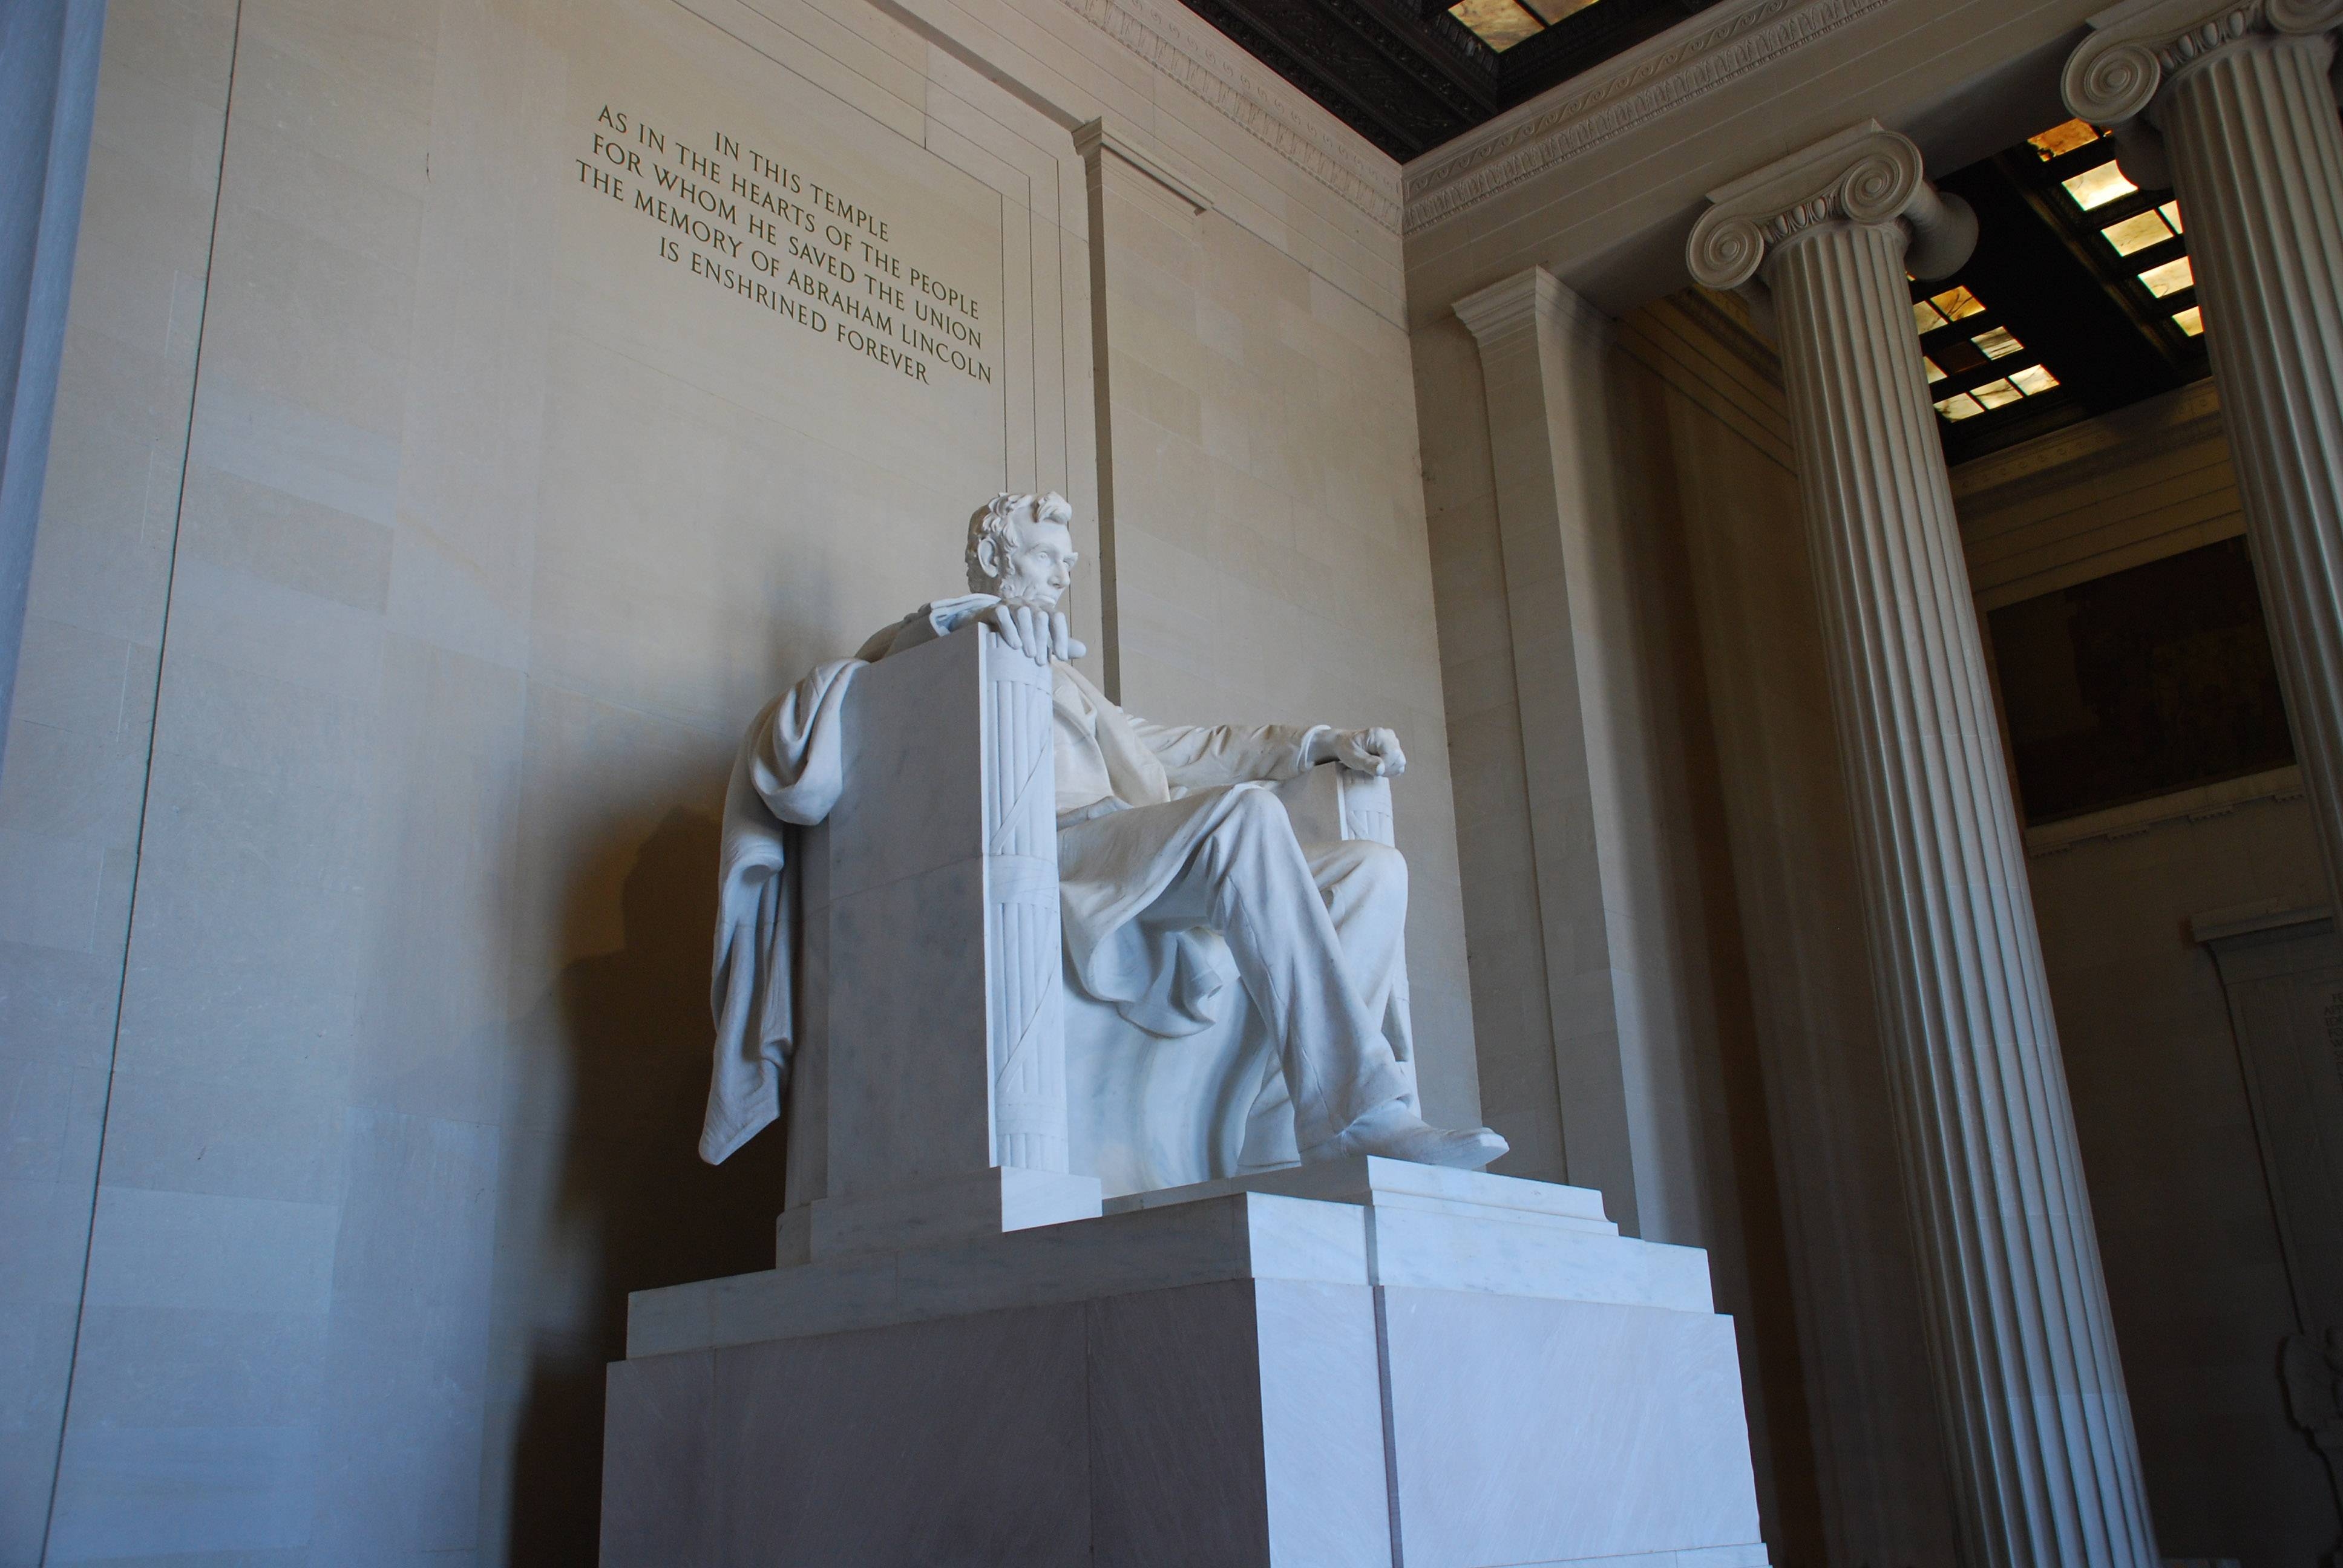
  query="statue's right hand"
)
[{"x": 1023, "y": 628}]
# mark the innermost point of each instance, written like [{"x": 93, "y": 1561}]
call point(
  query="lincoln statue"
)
[{"x": 1168, "y": 836}]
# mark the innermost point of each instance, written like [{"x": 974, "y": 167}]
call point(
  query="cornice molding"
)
[
  {"x": 1093, "y": 137},
  {"x": 1225, "y": 78},
  {"x": 1506, "y": 309},
  {"x": 2201, "y": 804},
  {"x": 1687, "y": 62},
  {"x": 1865, "y": 174},
  {"x": 2137, "y": 48}
]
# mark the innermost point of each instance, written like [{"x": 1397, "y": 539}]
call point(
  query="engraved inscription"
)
[{"x": 778, "y": 240}]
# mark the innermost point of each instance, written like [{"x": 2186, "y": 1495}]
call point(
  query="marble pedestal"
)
[{"x": 1357, "y": 1362}]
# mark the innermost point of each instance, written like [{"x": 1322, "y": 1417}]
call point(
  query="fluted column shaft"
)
[
  {"x": 2255, "y": 151},
  {"x": 2037, "y": 1426}
]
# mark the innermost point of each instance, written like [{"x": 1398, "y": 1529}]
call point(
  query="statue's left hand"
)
[{"x": 1370, "y": 751}]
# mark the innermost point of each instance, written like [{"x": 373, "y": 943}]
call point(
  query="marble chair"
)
[{"x": 950, "y": 1077}]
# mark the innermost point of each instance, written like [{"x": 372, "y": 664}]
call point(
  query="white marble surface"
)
[
  {"x": 913, "y": 956},
  {"x": 1362, "y": 1222},
  {"x": 1323, "y": 1458},
  {"x": 1451, "y": 1367},
  {"x": 1495, "y": 1400},
  {"x": 984, "y": 1203}
]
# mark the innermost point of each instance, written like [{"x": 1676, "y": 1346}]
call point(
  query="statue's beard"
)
[{"x": 1017, "y": 597}]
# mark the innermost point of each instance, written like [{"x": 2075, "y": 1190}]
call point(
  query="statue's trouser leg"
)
[
  {"x": 1364, "y": 888},
  {"x": 1250, "y": 881}
]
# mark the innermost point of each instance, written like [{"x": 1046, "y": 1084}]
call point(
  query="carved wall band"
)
[{"x": 1663, "y": 76}]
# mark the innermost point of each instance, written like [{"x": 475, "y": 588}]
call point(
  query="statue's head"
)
[{"x": 1022, "y": 547}]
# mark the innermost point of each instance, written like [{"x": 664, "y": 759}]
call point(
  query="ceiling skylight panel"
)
[
  {"x": 1955, "y": 303},
  {"x": 2137, "y": 232},
  {"x": 2096, "y": 188},
  {"x": 2171, "y": 279},
  {"x": 1998, "y": 343},
  {"x": 1500, "y": 24},
  {"x": 2059, "y": 140}
]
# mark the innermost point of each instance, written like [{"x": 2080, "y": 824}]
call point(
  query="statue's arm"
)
[
  {"x": 1203, "y": 756},
  {"x": 1199, "y": 757},
  {"x": 938, "y": 617}
]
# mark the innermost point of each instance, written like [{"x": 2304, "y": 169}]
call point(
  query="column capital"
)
[
  {"x": 1865, "y": 174},
  {"x": 2141, "y": 46},
  {"x": 1513, "y": 306}
]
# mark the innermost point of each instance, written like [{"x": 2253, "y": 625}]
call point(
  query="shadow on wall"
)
[{"x": 605, "y": 1192}]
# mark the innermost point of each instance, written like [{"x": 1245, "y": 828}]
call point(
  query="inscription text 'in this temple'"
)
[{"x": 764, "y": 232}]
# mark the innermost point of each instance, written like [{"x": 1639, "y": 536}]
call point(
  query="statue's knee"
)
[
  {"x": 1383, "y": 865},
  {"x": 1376, "y": 873},
  {"x": 1257, "y": 811}
]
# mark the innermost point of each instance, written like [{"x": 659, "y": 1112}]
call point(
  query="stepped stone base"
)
[{"x": 1363, "y": 1362}]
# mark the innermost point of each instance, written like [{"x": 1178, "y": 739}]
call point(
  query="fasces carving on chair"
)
[{"x": 1006, "y": 945}]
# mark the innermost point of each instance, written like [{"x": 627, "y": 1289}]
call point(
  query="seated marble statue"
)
[{"x": 1163, "y": 831}]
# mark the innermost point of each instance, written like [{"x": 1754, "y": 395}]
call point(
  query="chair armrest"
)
[{"x": 1329, "y": 803}]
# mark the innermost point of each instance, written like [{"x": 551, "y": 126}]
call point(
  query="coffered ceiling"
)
[{"x": 1409, "y": 75}]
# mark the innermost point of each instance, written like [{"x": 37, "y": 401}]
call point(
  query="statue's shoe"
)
[{"x": 1393, "y": 1132}]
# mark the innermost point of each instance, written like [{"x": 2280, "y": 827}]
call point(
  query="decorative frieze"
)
[
  {"x": 1726, "y": 42},
  {"x": 1167, "y": 39}
]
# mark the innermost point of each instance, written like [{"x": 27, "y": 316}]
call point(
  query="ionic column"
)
[
  {"x": 2036, "y": 1424},
  {"x": 2241, "y": 95}
]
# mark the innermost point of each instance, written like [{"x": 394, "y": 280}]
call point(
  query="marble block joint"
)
[
  {"x": 1355, "y": 1362},
  {"x": 2036, "y": 1421}
]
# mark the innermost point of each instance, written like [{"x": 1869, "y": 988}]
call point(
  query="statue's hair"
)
[{"x": 996, "y": 520}]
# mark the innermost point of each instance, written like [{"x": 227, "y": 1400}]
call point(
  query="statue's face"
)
[{"x": 1039, "y": 566}]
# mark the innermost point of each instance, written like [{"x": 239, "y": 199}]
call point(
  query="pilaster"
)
[
  {"x": 1624, "y": 1067},
  {"x": 1134, "y": 199}
]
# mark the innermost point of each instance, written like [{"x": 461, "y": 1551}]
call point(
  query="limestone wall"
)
[{"x": 425, "y": 523}]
